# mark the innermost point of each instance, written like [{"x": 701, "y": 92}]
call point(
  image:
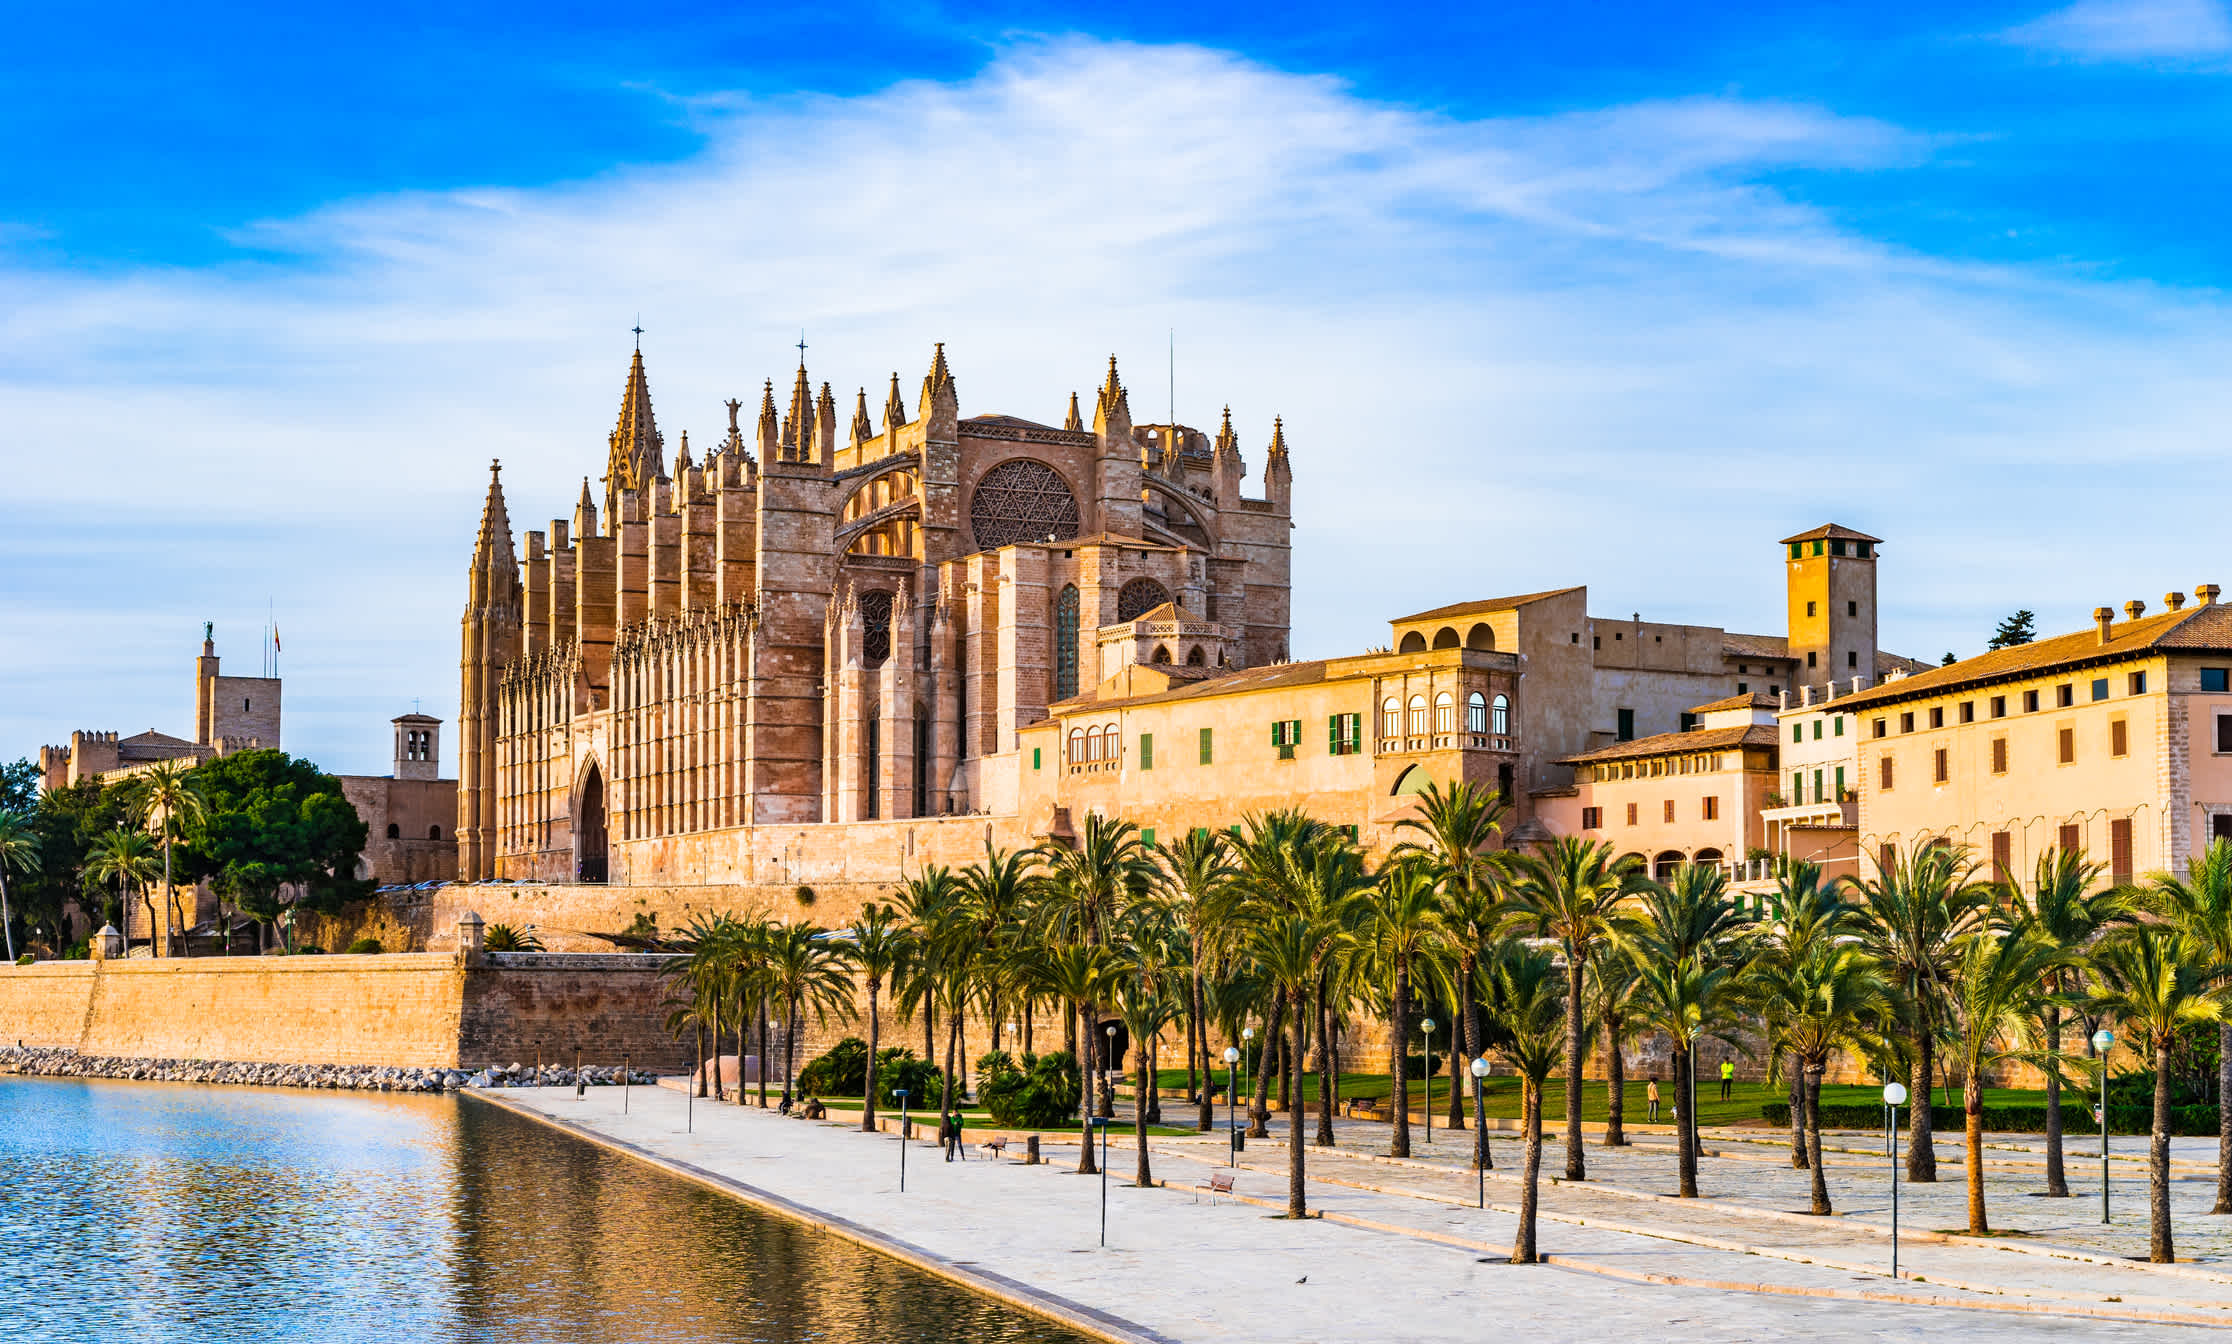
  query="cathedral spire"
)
[
  {"x": 682, "y": 463},
  {"x": 938, "y": 392},
  {"x": 495, "y": 528},
  {"x": 585, "y": 513},
  {"x": 798, "y": 426},
  {"x": 863, "y": 429},
  {"x": 770, "y": 434},
  {"x": 895, "y": 406},
  {"x": 1073, "y": 422},
  {"x": 637, "y": 452},
  {"x": 1227, "y": 441}
]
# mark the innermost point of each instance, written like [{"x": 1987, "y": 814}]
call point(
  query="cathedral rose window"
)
[
  {"x": 1021, "y": 500},
  {"x": 1137, "y": 598}
]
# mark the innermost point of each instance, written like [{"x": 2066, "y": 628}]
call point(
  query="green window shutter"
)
[
  {"x": 1839, "y": 732},
  {"x": 1146, "y": 838},
  {"x": 1797, "y": 734},
  {"x": 1797, "y": 792},
  {"x": 1332, "y": 737},
  {"x": 1147, "y": 761},
  {"x": 1840, "y": 788},
  {"x": 1035, "y": 757},
  {"x": 1206, "y": 751}
]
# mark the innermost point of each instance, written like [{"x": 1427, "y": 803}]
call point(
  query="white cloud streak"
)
[
  {"x": 1591, "y": 347},
  {"x": 2143, "y": 31}
]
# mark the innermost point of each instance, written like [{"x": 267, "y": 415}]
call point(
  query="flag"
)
[{"x": 275, "y": 639}]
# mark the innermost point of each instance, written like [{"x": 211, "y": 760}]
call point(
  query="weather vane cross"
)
[
  {"x": 638, "y": 330},
  {"x": 802, "y": 347}
]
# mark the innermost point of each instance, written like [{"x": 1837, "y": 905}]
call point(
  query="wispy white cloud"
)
[
  {"x": 1596, "y": 346},
  {"x": 2131, "y": 30}
]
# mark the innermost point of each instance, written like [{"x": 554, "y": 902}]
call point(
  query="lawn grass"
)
[
  {"x": 978, "y": 1118},
  {"x": 1503, "y": 1097}
]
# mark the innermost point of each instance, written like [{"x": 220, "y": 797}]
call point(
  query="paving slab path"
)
[{"x": 1395, "y": 1257}]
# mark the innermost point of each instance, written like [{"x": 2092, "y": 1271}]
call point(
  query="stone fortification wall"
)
[{"x": 405, "y": 1010}]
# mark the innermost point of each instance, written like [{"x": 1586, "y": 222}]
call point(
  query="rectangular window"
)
[
  {"x": 2224, "y": 732},
  {"x": 2119, "y": 738},
  {"x": 2071, "y": 839},
  {"x": 2030, "y": 702},
  {"x": 1836, "y": 730},
  {"x": 1883, "y": 773},
  {"x": 1797, "y": 734},
  {"x": 1200, "y": 835},
  {"x": 1851, "y": 609},
  {"x": 1344, "y": 734},
  {"x": 1207, "y": 755},
  {"x": 2218, "y": 679},
  {"x": 2220, "y": 826},
  {"x": 2067, "y": 737},
  {"x": 1592, "y": 819},
  {"x": 1938, "y": 765},
  {"x": 1840, "y": 788},
  {"x": 1879, "y": 731},
  {"x": 1146, "y": 761},
  {"x": 1817, "y": 798},
  {"x": 2119, "y": 851},
  {"x": 1887, "y": 858},
  {"x": 1968, "y": 715},
  {"x": 1034, "y": 765},
  {"x": 2100, "y": 688},
  {"x": 1937, "y": 720},
  {"x": 1688, "y": 721},
  {"x": 1286, "y": 735},
  {"x": 1669, "y": 812},
  {"x": 2003, "y": 855},
  {"x": 1999, "y": 758},
  {"x": 1817, "y": 738},
  {"x": 1999, "y": 711},
  {"x": 1797, "y": 796},
  {"x": 1906, "y": 722},
  {"x": 1712, "y": 811},
  {"x": 1631, "y": 822},
  {"x": 2135, "y": 684},
  {"x": 1809, "y": 612},
  {"x": 1627, "y": 725},
  {"x": 2065, "y": 695},
  {"x": 1146, "y": 838}
]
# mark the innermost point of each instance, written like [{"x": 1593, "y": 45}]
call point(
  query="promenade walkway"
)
[{"x": 1400, "y": 1254}]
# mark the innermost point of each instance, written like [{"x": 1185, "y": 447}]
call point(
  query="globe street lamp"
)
[
  {"x": 1480, "y": 1125},
  {"x": 1232, "y": 1126},
  {"x": 1894, "y": 1096},
  {"x": 2101, "y": 1040},
  {"x": 1427, "y": 1026},
  {"x": 901, "y": 1093}
]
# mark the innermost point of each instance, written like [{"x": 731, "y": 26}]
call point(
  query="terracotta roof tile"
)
[
  {"x": 1675, "y": 744},
  {"x": 2195, "y": 628},
  {"x": 1755, "y": 646},
  {"x": 1273, "y": 677},
  {"x": 1832, "y": 530},
  {"x": 1753, "y": 700},
  {"x": 1483, "y": 607}
]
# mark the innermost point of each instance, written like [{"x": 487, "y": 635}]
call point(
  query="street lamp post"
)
[
  {"x": 1232, "y": 1125},
  {"x": 1247, "y": 1043},
  {"x": 2101, "y": 1040},
  {"x": 1894, "y": 1096},
  {"x": 1427, "y": 1026},
  {"x": 901, "y": 1093},
  {"x": 1480, "y": 1125},
  {"x": 1103, "y": 1122}
]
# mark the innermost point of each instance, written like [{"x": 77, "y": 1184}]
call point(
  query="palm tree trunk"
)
[
  {"x": 1398, "y": 1036},
  {"x": 2158, "y": 1163},
  {"x": 2057, "y": 1182},
  {"x": 1206, "y": 1116},
  {"x": 1615, "y": 1083},
  {"x": 1972, "y": 1129},
  {"x": 1468, "y": 1039},
  {"x": 868, "y": 1094},
  {"x": 1197, "y": 1039},
  {"x": 790, "y": 1047},
  {"x": 7, "y": 921},
  {"x": 1685, "y": 1136},
  {"x": 1088, "y": 1043},
  {"x": 1259, "y": 1113},
  {"x": 1296, "y": 1207},
  {"x": 1027, "y": 1002},
  {"x": 1329, "y": 1066},
  {"x": 2224, "y": 1119},
  {"x": 170, "y": 897},
  {"x": 1142, "y": 1176},
  {"x": 953, "y": 1046},
  {"x": 701, "y": 1057},
  {"x": 1809, "y": 1086},
  {"x": 1576, "y": 1166},
  {"x": 742, "y": 1027},
  {"x": 720, "y": 1093},
  {"x": 930, "y": 1025},
  {"x": 1921, "y": 1148},
  {"x": 759, "y": 1018},
  {"x": 1798, "y": 1149},
  {"x": 1523, "y": 1248}
]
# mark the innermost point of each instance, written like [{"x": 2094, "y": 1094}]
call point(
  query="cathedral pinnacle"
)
[
  {"x": 863, "y": 429},
  {"x": 1073, "y": 422},
  {"x": 1227, "y": 441},
  {"x": 682, "y": 463},
  {"x": 1278, "y": 437},
  {"x": 895, "y": 406},
  {"x": 636, "y": 456},
  {"x": 769, "y": 433}
]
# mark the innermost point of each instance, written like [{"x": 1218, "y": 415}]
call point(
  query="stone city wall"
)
[{"x": 405, "y": 1010}]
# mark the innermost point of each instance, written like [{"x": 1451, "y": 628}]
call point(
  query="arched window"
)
[
  {"x": 433, "y": 832},
  {"x": 1076, "y": 745},
  {"x": 1476, "y": 713},
  {"x": 1418, "y": 716},
  {"x": 1111, "y": 745},
  {"x": 395, "y": 832},
  {"x": 1413, "y": 642},
  {"x": 1092, "y": 744},
  {"x": 875, "y": 622},
  {"x": 1391, "y": 717},
  {"x": 1499, "y": 716},
  {"x": 1445, "y": 713},
  {"x": 1137, "y": 598},
  {"x": 1196, "y": 658},
  {"x": 1065, "y": 643},
  {"x": 1162, "y": 655}
]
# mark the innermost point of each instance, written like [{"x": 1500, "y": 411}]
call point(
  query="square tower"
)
[
  {"x": 418, "y": 746},
  {"x": 1831, "y": 579}
]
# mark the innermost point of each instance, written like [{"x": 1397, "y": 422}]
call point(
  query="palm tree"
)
[
  {"x": 1912, "y": 919},
  {"x": 1612, "y": 986},
  {"x": 1520, "y": 989},
  {"x": 126, "y": 857},
  {"x": 2199, "y": 907},
  {"x": 1144, "y": 999},
  {"x": 806, "y": 971},
  {"x": 1997, "y": 985},
  {"x": 1800, "y": 913},
  {"x": 2066, "y": 907},
  {"x": 881, "y": 944},
  {"x": 167, "y": 799},
  {"x": 1265, "y": 851},
  {"x": 506, "y": 938},
  {"x": 1459, "y": 831},
  {"x": 1196, "y": 880},
  {"x": 1406, "y": 929},
  {"x": 1683, "y": 937},
  {"x": 1816, "y": 997},
  {"x": 19, "y": 849},
  {"x": 1571, "y": 891},
  {"x": 2147, "y": 980},
  {"x": 1081, "y": 975},
  {"x": 1290, "y": 946}
]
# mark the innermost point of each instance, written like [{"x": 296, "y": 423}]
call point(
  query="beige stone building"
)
[
  {"x": 230, "y": 714},
  {"x": 2116, "y": 740},
  {"x": 852, "y": 624}
]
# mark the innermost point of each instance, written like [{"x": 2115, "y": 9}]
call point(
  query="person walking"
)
[
  {"x": 1652, "y": 1093},
  {"x": 1728, "y": 1078}
]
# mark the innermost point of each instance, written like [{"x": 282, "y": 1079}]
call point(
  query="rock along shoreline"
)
[{"x": 58, "y": 1063}]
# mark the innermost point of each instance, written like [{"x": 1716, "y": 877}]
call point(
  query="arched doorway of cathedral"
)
[{"x": 591, "y": 863}]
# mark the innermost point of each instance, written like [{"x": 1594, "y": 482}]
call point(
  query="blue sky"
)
[{"x": 1604, "y": 294}]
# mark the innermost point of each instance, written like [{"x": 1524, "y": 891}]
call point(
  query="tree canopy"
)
[
  {"x": 2020, "y": 628},
  {"x": 270, "y": 821}
]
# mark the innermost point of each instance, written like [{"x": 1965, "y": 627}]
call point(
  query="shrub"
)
[
  {"x": 1042, "y": 1092},
  {"x": 505, "y": 938},
  {"x": 839, "y": 1072},
  {"x": 27, "y": 959},
  {"x": 81, "y": 950},
  {"x": 366, "y": 946},
  {"x": 309, "y": 950},
  {"x": 897, "y": 1068},
  {"x": 2076, "y": 1119},
  {"x": 804, "y": 895}
]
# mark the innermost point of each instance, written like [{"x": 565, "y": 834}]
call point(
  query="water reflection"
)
[{"x": 160, "y": 1212}]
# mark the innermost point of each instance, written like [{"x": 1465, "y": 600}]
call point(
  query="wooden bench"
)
[{"x": 1220, "y": 1183}]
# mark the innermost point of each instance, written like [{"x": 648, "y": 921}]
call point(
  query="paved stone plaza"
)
[{"x": 1401, "y": 1255}]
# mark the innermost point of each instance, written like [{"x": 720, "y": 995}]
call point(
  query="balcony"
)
[{"x": 1395, "y": 746}]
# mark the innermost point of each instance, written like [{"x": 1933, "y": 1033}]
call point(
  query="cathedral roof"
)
[{"x": 1012, "y": 421}]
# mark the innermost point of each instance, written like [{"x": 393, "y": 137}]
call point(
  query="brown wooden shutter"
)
[
  {"x": 2068, "y": 739},
  {"x": 1999, "y": 755},
  {"x": 2119, "y": 737},
  {"x": 2072, "y": 839},
  {"x": 2119, "y": 850},
  {"x": 2003, "y": 856}
]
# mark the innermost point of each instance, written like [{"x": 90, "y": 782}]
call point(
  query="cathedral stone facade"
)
[{"x": 830, "y": 623}]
